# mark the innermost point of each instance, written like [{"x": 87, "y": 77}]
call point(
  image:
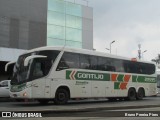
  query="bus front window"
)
[
  {"x": 41, "y": 67},
  {"x": 21, "y": 72},
  {"x": 36, "y": 68}
]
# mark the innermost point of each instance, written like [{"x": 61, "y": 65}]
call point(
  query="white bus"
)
[{"x": 60, "y": 74}]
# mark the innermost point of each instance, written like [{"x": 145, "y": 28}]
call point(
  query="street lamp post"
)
[
  {"x": 143, "y": 53},
  {"x": 110, "y": 46}
]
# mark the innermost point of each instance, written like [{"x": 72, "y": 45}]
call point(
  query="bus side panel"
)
[
  {"x": 98, "y": 88},
  {"x": 38, "y": 87}
]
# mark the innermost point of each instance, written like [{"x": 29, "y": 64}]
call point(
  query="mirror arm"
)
[
  {"x": 9, "y": 63},
  {"x": 26, "y": 61}
]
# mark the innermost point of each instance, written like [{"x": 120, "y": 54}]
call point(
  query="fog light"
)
[{"x": 24, "y": 94}]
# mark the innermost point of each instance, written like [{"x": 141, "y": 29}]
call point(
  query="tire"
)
[
  {"x": 140, "y": 94},
  {"x": 61, "y": 97},
  {"x": 43, "y": 102},
  {"x": 131, "y": 94}
]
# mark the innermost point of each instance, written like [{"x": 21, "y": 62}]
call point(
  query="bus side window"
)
[
  {"x": 119, "y": 65},
  {"x": 101, "y": 63},
  {"x": 105, "y": 64},
  {"x": 38, "y": 70},
  {"x": 93, "y": 62},
  {"x": 84, "y": 61},
  {"x": 68, "y": 60},
  {"x": 62, "y": 65}
]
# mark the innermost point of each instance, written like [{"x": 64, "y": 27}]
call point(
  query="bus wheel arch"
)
[
  {"x": 62, "y": 95},
  {"x": 131, "y": 94},
  {"x": 140, "y": 93}
]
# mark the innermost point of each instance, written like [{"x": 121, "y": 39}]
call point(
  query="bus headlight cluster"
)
[{"x": 24, "y": 94}]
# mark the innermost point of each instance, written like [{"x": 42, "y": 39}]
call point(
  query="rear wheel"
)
[
  {"x": 61, "y": 97},
  {"x": 131, "y": 94},
  {"x": 140, "y": 94}
]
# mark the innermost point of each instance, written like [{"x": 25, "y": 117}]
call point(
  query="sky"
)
[{"x": 129, "y": 23}]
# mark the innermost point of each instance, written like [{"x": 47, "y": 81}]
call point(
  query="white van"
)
[{"x": 5, "y": 88}]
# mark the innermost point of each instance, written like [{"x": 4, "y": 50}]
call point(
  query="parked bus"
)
[{"x": 60, "y": 74}]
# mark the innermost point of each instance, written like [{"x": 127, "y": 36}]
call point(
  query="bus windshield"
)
[{"x": 36, "y": 68}]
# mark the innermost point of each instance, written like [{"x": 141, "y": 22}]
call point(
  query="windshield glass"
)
[{"x": 36, "y": 68}]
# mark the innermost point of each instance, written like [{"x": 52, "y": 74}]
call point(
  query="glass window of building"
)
[
  {"x": 57, "y": 32},
  {"x": 74, "y": 21},
  {"x": 64, "y": 24},
  {"x": 56, "y": 18},
  {"x": 56, "y": 5},
  {"x": 74, "y": 34},
  {"x": 73, "y": 9}
]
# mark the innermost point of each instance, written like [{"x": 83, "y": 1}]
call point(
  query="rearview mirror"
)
[
  {"x": 26, "y": 61},
  {"x": 9, "y": 63}
]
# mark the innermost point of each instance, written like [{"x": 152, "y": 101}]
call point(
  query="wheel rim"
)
[
  {"x": 132, "y": 94},
  {"x": 61, "y": 96},
  {"x": 140, "y": 94}
]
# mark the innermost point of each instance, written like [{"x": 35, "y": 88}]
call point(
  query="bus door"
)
[
  {"x": 98, "y": 89},
  {"x": 40, "y": 84},
  {"x": 47, "y": 89}
]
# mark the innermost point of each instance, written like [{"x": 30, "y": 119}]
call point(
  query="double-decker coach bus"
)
[{"x": 60, "y": 74}]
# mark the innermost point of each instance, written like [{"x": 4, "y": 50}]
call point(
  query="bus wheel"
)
[
  {"x": 61, "y": 97},
  {"x": 140, "y": 94},
  {"x": 131, "y": 94},
  {"x": 43, "y": 102}
]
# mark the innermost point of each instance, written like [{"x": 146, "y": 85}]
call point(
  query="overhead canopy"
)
[{"x": 10, "y": 54}]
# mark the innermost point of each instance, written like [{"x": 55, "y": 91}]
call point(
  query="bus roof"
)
[{"x": 84, "y": 51}]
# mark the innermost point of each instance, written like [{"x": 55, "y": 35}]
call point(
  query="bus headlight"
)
[{"x": 24, "y": 94}]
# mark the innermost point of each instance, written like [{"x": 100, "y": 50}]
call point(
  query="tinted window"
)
[
  {"x": 131, "y": 67},
  {"x": 93, "y": 62},
  {"x": 145, "y": 68},
  {"x": 119, "y": 65},
  {"x": 84, "y": 61},
  {"x": 42, "y": 66},
  {"x": 68, "y": 60},
  {"x": 139, "y": 68},
  {"x": 105, "y": 64}
]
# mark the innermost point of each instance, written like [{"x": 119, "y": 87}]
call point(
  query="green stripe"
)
[
  {"x": 68, "y": 72},
  {"x": 143, "y": 79},
  {"x": 134, "y": 78},
  {"x": 120, "y": 78},
  {"x": 81, "y": 75},
  {"x": 116, "y": 85}
]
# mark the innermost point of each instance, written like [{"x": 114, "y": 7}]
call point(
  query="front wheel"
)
[{"x": 61, "y": 97}]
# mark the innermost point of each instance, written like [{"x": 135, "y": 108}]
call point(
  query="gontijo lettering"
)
[
  {"x": 81, "y": 75},
  {"x": 90, "y": 76}
]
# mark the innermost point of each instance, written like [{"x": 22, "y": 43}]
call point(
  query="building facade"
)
[
  {"x": 69, "y": 24},
  {"x": 27, "y": 24}
]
